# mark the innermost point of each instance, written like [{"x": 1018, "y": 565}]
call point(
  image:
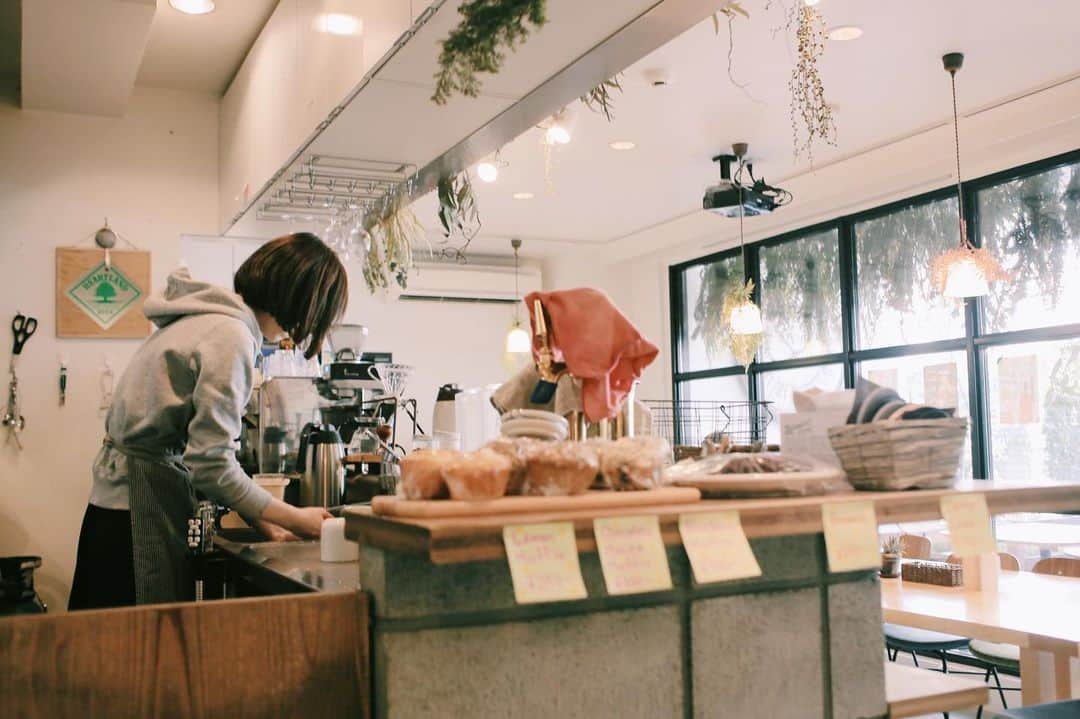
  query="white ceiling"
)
[
  {"x": 201, "y": 53},
  {"x": 885, "y": 85}
]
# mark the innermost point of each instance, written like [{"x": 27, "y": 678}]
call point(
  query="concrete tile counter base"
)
[{"x": 449, "y": 641}]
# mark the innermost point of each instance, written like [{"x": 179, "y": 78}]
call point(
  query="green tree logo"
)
[{"x": 105, "y": 293}]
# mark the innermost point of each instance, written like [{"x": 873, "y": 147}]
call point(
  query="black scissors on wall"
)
[{"x": 22, "y": 328}]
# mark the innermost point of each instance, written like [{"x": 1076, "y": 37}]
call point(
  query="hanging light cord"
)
[
  {"x": 959, "y": 184},
  {"x": 517, "y": 292}
]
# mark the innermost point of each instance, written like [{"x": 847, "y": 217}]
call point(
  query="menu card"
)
[
  {"x": 632, "y": 554},
  {"x": 969, "y": 524},
  {"x": 544, "y": 562},
  {"x": 717, "y": 546},
  {"x": 851, "y": 537}
]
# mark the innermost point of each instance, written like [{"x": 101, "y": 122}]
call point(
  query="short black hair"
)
[{"x": 300, "y": 282}]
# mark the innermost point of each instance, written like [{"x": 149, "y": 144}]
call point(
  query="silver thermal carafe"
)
[{"x": 321, "y": 460}]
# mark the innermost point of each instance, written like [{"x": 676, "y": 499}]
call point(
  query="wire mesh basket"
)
[{"x": 689, "y": 423}]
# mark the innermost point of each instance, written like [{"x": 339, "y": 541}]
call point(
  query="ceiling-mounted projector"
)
[{"x": 756, "y": 196}]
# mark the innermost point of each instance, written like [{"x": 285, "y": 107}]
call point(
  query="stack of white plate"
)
[{"x": 534, "y": 423}]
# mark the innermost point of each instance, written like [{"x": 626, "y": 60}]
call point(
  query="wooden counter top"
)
[{"x": 466, "y": 539}]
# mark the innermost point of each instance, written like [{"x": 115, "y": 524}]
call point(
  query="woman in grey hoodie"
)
[{"x": 176, "y": 413}]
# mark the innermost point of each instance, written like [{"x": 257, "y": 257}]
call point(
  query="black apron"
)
[{"x": 161, "y": 501}]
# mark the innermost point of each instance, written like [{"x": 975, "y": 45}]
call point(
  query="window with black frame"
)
[{"x": 854, "y": 297}]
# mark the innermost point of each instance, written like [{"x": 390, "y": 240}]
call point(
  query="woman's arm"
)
[{"x": 304, "y": 521}]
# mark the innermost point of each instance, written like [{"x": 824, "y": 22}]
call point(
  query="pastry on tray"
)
[
  {"x": 517, "y": 451},
  {"x": 633, "y": 462},
  {"x": 559, "y": 468},
  {"x": 421, "y": 474},
  {"x": 483, "y": 474}
]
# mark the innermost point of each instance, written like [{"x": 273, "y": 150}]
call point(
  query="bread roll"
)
[
  {"x": 421, "y": 474},
  {"x": 559, "y": 468},
  {"x": 483, "y": 474},
  {"x": 633, "y": 462}
]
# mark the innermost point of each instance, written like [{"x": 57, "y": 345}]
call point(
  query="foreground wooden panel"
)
[{"x": 280, "y": 657}]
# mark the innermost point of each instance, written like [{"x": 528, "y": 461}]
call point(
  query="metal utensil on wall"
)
[{"x": 22, "y": 329}]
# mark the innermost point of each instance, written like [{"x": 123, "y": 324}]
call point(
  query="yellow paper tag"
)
[
  {"x": 969, "y": 524},
  {"x": 632, "y": 554},
  {"x": 717, "y": 546},
  {"x": 544, "y": 562},
  {"x": 851, "y": 537}
]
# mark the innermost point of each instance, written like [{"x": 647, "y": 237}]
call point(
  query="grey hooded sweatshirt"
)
[{"x": 185, "y": 390}]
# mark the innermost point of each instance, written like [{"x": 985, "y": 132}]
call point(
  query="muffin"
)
[
  {"x": 517, "y": 451},
  {"x": 633, "y": 462},
  {"x": 421, "y": 474},
  {"x": 483, "y": 474},
  {"x": 559, "y": 468}
]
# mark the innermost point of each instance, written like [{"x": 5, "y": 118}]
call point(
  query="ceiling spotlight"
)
[
  {"x": 193, "y": 7},
  {"x": 557, "y": 127},
  {"x": 488, "y": 168},
  {"x": 337, "y": 23},
  {"x": 487, "y": 171},
  {"x": 622, "y": 145},
  {"x": 523, "y": 195},
  {"x": 845, "y": 32},
  {"x": 811, "y": 3}
]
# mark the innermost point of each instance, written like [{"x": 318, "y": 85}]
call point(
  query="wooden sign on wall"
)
[{"x": 93, "y": 300}]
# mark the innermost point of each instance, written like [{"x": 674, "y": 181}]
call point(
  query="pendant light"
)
[
  {"x": 745, "y": 316},
  {"x": 965, "y": 271},
  {"x": 518, "y": 339}
]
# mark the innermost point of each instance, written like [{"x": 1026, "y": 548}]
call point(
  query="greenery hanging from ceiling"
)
[
  {"x": 718, "y": 279},
  {"x": 458, "y": 213},
  {"x": 600, "y": 100},
  {"x": 811, "y": 115},
  {"x": 479, "y": 43},
  {"x": 390, "y": 255}
]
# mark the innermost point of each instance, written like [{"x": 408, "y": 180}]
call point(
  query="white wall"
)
[
  {"x": 153, "y": 172},
  {"x": 634, "y": 269}
]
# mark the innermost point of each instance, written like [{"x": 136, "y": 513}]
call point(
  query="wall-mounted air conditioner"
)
[{"x": 472, "y": 282}]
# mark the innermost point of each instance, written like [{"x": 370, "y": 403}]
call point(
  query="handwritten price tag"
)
[
  {"x": 717, "y": 546},
  {"x": 632, "y": 554},
  {"x": 544, "y": 562},
  {"x": 851, "y": 538},
  {"x": 969, "y": 524}
]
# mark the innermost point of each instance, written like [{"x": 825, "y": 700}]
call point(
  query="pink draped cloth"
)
[{"x": 597, "y": 343}]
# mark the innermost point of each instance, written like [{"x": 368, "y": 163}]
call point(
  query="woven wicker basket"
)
[{"x": 900, "y": 454}]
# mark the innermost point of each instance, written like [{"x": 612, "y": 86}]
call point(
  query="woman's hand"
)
[
  {"x": 303, "y": 521},
  {"x": 308, "y": 521},
  {"x": 275, "y": 533}
]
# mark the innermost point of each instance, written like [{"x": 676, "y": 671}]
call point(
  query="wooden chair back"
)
[
  {"x": 294, "y": 656},
  {"x": 1008, "y": 562},
  {"x": 913, "y": 546},
  {"x": 1061, "y": 566}
]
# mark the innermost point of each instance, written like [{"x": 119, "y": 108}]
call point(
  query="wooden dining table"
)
[{"x": 1039, "y": 613}]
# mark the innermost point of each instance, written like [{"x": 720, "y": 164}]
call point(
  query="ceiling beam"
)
[{"x": 82, "y": 57}]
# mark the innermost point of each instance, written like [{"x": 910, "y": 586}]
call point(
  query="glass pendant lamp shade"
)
[
  {"x": 518, "y": 340},
  {"x": 964, "y": 271},
  {"x": 746, "y": 320},
  {"x": 964, "y": 278}
]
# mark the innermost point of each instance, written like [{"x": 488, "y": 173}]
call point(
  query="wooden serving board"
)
[{"x": 600, "y": 499}]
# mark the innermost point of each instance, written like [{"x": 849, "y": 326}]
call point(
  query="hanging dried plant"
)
[
  {"x": 479, "y": 42},
  {"x": 743, "y": 346},
  {"x": 731, "y": 12},
  {"x": 600, "y": 100},
  {"x": 390, "y": 256},
  {"x": 811, "y": 116},
  {"x": 457, "y": 207},
  {"x": 984, "y": 262}
]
